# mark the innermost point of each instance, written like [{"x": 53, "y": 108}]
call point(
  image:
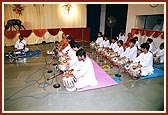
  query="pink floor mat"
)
[{"x": 104, "y": 80}]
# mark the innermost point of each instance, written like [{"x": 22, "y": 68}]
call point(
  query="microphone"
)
[
  {"x": 61, "y": 72},
  {"x": 50, "y": 78}
]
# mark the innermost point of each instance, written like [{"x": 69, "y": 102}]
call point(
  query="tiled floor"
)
[{"x": 26, "y": 89}]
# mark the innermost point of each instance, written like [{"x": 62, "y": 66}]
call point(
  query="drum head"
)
[
  {"x": 127, "y": 67},
  {"x": 115, "y": 59}
]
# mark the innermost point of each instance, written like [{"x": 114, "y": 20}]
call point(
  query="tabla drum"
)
[
  {"x": 60, "y": 53},
  {"x": 134, "y": 72},
  {"x": 99, "y": 50},
  {"x": 63, "y": 67},
  {"x": 121, "y": 61},
  {"x": 113, "y": 55},
  {"x": 127, "y": 67},
  {"x": 69, "y": 83},
  {"x": 156, "y": 60},
  {"x": 114, "y": 60}
]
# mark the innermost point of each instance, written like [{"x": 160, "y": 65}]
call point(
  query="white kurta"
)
[
  {"x": 99, "y": 40},
  {"x": 20, "y": 45},
  {"x": 66, "y": 49},
  {"x": 85, "y": 75},
  {"x": 146, "y": 60},
  {"x": 113, "y": 46},
  {"x": 130, "y": 53},
  {"x": 160, "y": 53},
  {"x": 120, "y": 50},
  {"x": 121, "y": 38},
  {"x": 151, "y": 47},
  {"x": 137, "y": 44},
  {"x": 73, "y": 58},
  {"x": 106, "y": 43}
]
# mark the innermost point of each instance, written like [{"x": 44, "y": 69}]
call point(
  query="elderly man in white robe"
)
[
  {"x": 85, "y": 74},
  {"x": 144, "y": 60}
]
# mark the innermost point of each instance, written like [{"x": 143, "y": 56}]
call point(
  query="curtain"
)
[
  {"x": 43, "y": 16},
  {"x": 43, "y": 22},
  {"x": 37, "y": 36}
]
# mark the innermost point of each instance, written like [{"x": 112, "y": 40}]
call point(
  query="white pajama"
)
[
  {"x": 146, "y": 60},
  {"x": 20, "y": 45},
  {"x": 85, "y": 75}
]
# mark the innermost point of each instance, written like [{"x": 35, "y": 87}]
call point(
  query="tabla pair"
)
[
  {"x": 133, "y": 72},
  {"x": 69, "y": 83}
]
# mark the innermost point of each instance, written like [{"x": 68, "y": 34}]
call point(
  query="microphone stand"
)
[{"x": 57, "y": 85}]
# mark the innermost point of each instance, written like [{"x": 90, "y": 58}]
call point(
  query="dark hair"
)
[
  {"x": 135, "y": 38},
  {"x": 132, "y": 41},
  {"x": 20, "y": 36},
  {"x": 75, "y": 45},
  {"x": 145, "y": 46},
  {"x": 105, "y": 36},
  {"x": 114, "y": 39},
  {"x": 100, "y": 33},
  {"x": 129, "y": 33},
  {"x": 69, "y": 37},
  {"x": 162, "y": 44},
  {"x": 81, "y": 52},
  {"x": 150, "y": 40},
  {"x": 71, "y": 42},
  {"x": 120, "y": 41}
]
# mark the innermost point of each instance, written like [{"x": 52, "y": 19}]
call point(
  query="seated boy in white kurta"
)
[
  {"x": 145, "y": 60},
  {"x": 85, "y": 75},
  {"x": 159, "y": 52}
]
